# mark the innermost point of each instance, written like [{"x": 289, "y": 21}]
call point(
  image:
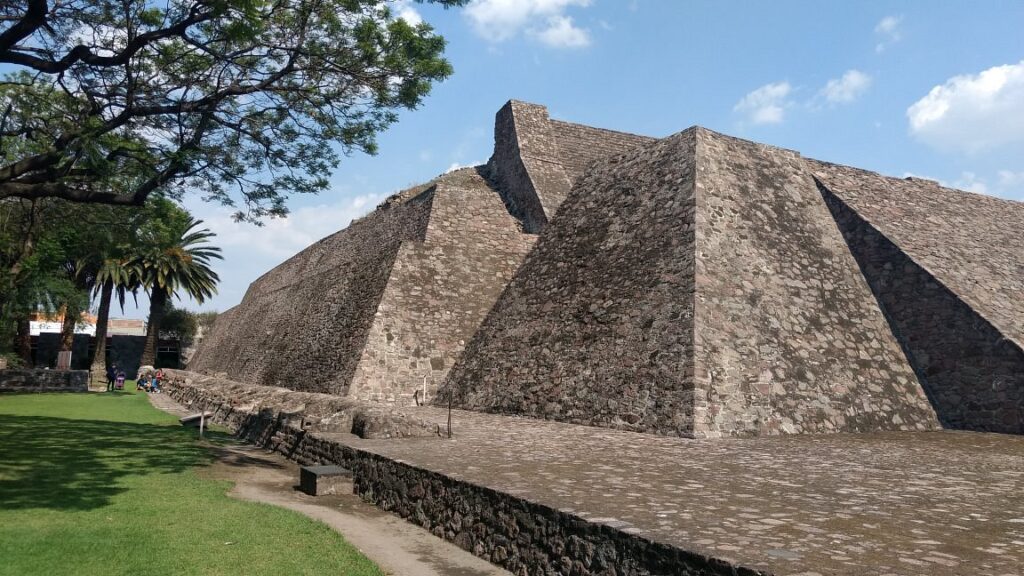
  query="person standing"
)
[{"x": 111, "y": 376}]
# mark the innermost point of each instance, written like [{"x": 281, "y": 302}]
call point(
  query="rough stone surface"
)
[
  {"x": 380, "y": 310},
  {"x": 542, "y": 497},
  {"x": 438, "y": 291},
  {"x": 536, "y": 160},
  {"x": 304, "y": 324},
  {"x": 972, "y": 373},
  {"x": 695, "y": 286},
  {"x": 597, "y": 325},
  {"x": 789, "y": 338},
  {"x": 13, "y": 380},
  {"x": 971, "y": 243}
]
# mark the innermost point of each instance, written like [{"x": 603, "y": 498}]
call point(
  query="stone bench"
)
[
  {"x": 193, "y": 420},
  {"x": 321, "y": 480}
]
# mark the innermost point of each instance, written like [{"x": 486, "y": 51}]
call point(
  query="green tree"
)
[
  {"x": 246, "y": 101},
  {"x": 116, "y": 276},
  {"x": 174, "y": 257}
]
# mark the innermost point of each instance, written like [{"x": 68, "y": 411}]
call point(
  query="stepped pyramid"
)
[{"x": 695, "y": 285}]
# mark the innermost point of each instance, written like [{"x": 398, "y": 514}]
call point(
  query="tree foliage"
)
[{"x": 247, "y": 101}]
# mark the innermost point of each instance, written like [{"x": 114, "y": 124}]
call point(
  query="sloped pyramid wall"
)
[
  {"x": 439, "y": 290},
  {"x": 597, "y": 325},
  {"x": 947, "y": 268},
  {"x": 695, "y": 287},
  {"x": 381, "y": 309},
  {"x": 304, "y": 324},
  {"x": 789, "y": 336}
]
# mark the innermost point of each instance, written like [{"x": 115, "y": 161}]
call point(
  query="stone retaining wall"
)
[
  {"x": 44, "y": 380},
  {"x": 239, "y": 405},
  {"x": 523, "y": 537}
]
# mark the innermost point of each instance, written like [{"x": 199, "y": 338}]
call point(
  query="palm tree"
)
[
  {"x": 115, "y": 275},
  {"x": 177, "y": 259}
]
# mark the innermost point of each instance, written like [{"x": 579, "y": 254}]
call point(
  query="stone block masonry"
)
[
  {"x": 523, "y": 536},
  {"x": 438, "y": 291},
  {"x": 597, "y": 326},
  {"x": 543, "y": 497},
  {"x": 304, "y": 324},
  {"x": 789, "y": 338},
  {"x": 12, "y": 380},
  {"x": 695, "y": 286},
  {"x": 973, "y": 374}
]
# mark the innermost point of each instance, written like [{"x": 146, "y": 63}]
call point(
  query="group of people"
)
[
  {"x": 150, "y": 381},
  {"x": 147, "y": 380}
]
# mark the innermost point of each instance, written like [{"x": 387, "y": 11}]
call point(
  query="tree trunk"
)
[
  {"x": 67, "y": 329},
  {"x": 23, "y": 341},
  {"x": 98, "y": 366},
  {"x": 157, "y": 309}
]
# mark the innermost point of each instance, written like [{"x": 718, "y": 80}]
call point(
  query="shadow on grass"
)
[{"x": 65, "y": 464}]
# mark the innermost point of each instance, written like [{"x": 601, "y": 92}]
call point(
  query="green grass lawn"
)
[{"x": 103, "y": 483}]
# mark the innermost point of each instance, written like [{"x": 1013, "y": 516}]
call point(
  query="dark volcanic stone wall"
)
[
  {"x": 440, "y": 290},
  {"x": 303, "y": 325},
  {"x": 789, "y": 338},
  {"x": 973, "y": 375},
  {"x": 596, "y": 327},
  {"x": 44, "y": 380}
]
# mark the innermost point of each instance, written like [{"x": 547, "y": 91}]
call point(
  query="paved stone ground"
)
[{"x": 915, "y": 503}]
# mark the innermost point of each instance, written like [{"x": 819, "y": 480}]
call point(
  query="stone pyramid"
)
[{"x": 697, "y": 286}]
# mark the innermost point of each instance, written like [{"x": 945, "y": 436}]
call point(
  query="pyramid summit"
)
[{"x": 696, "y": 285}]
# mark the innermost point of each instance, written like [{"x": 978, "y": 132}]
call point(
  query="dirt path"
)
[{"x": 398, "y": 547}]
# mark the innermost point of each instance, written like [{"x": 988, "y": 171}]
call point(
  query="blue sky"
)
[{"x": 934, "y": 89}]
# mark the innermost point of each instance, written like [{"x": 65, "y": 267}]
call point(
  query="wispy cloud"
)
[
  {"x": 544, "y": 20},
  {"x": 765, "y": 105},
  {"x": 560, "y": 32},
  {"x": 888, "y": 31},
  {"x": 847, "y": 88}
]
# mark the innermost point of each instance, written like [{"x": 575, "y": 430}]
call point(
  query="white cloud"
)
[
  {"x": 403, "y": 10},
  {"x": 973, "y": 113},
  {"x": 888, "y": 32},
  {"x": 765, "y": 105},
  {"x": 250, "y": 251},
  {"x": 501, "y": 20},
  {"x": 562, "y": 33},
  {"x": 846, "y": 89}
]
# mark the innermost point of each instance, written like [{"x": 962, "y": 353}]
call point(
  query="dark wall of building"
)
[
  {"x": 124, "y": 351},
  {"x": 973, "y": 375}
]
